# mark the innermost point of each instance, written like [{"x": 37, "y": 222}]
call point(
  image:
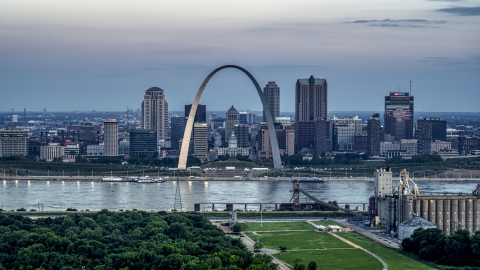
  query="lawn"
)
[
  {"x": 333, "y": 259},
  {"x": 326, "y": 223},
  {"x": 298, "y": 240},
  {"x": 393, "y": 259},
  {"x": 277, "y": 226}
]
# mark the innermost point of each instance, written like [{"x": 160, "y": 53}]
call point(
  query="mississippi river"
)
[{"x": 59, "y": 195}]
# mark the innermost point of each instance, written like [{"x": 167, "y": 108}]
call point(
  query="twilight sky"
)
[{"x": 103, "y": 55}]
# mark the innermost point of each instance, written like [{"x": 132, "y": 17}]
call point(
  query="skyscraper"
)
[
  {"x": 242, "y": 133},
  {"x": 323, "y": 141},
  {"x": 373, "y": 135},
  {"x": 155, "y": 112},
  {"x": 310, "y": 104},
  {"x": 429, "y": 130},
  {"x": 200, "y": 141},
  {"x": 272, "y": 94},
  {"x": 398, "y": 116},
  {"x": 200, "y": 115},
  {"x": 110, "y": 137},
  {"x": 178, "y": 129},
  {"x": 230, "y": 122}
]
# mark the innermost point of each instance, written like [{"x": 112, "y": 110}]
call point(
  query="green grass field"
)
[
  {"x": 298, "y": 240},
  {"x": 325, "y": 222},
  {"x": 333, "y": 259},
  {"x": 277, "y": 226},
  {"x": 394, "y": 260}
]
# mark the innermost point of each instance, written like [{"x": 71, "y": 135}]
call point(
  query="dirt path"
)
[{"x": 385, "y": 266}]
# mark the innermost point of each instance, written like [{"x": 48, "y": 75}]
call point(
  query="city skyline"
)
[{"x": 53, "y": 51}]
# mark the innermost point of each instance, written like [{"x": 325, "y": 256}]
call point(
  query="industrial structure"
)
[{"x": 390, "y": 206}]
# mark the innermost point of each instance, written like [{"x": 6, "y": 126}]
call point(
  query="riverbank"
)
[{"x": 262, "y": 179}]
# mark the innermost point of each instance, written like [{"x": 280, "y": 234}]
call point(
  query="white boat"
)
[
  {"x": 148, "y": 179},
  {"x": 112, "y": 179}
]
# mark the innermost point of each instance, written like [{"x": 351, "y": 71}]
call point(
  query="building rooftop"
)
[
  {"x": 232, "y": 110},
  {"x": 154, "y": 89},
  {"x": 417, "y": 221},
  {"x": 307, "y": 81}
]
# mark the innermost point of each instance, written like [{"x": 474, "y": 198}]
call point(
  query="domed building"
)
[
  {"x": 233, "y": 149},
  {"x": 406, "y": 228}
]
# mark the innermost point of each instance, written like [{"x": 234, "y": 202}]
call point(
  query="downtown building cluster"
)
[{"x": 309, "y": 132}]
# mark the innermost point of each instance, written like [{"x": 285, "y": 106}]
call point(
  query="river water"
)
[{"x": 60, "y": 195}]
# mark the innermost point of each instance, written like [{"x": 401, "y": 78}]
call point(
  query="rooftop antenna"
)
[
  {"x": 410, "y": 87},
  {"x": 25, "y": 117}
]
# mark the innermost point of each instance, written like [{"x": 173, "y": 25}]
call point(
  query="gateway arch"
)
[{"x": 182, "y": 163}]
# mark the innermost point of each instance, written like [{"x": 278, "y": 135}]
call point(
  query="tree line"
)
[
  {"x": 458, "y": 249},
  {"x": 125, "y": 240}
]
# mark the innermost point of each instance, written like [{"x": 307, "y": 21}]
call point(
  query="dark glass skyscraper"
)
[
  {"x": 373, "y": 135},
  {"x": 398, "y": 116},
  {"x": 178, "y": 130},
  {"x": 200, "y": 115},
  {"x": 429, "y": 130},
  {"x": 310, "y": 105},
  {"x": 143, "y": 142}
]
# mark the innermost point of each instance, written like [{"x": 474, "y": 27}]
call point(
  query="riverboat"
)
[{"x": 112, "y": 179}]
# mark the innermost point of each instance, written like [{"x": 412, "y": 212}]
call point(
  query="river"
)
[{"x": 60, "y": 195}]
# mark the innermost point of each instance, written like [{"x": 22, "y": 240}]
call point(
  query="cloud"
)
[
  {"x": 415, "y": 23},
  {"x": 462, "y": 11},
  {"x": 451, "y": 1},
  {"x": 473, "y": 61}
]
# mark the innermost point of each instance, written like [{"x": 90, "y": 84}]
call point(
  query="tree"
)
[
  {"x": 475, "y": 246},
  {"x": 237, "y": 227},
  {"x": 457, "y": 248},
  {"x": 257, "y": 247},
  {"x": 312, "y": 265}
]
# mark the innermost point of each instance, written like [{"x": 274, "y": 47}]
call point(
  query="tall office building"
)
[
  {"x": 310, "y": 99},
  {"x": 373, "y": 135},
  {"x": 200, "y": 114},
  {"x": 155, "y": 112},
  {"x": 398, "y": 116},
  {"x": 323, "y": 141},
  {"x": 177, "y": 131},
  {"x": 13, "y": 142},
  {"x": 110, "y": 137},
  {"x": 310, "y": 105},
  {"x": 230, "y": 122},
  {"x": 429, "y": 130},
  {"x": 242, "y": 133},
  {"x": 272, "y": 94},
  {"x": 143, "y": 142},
  {"x": 200, "y": 141}
]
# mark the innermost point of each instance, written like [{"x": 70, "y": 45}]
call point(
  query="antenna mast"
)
[{"x": 410, "y": 87}]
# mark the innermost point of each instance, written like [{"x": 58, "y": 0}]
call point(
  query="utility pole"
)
[{"x": 177, "y": 205}]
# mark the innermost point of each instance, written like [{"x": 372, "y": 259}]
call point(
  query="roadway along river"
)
[{"x": 59, "y": 195}]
